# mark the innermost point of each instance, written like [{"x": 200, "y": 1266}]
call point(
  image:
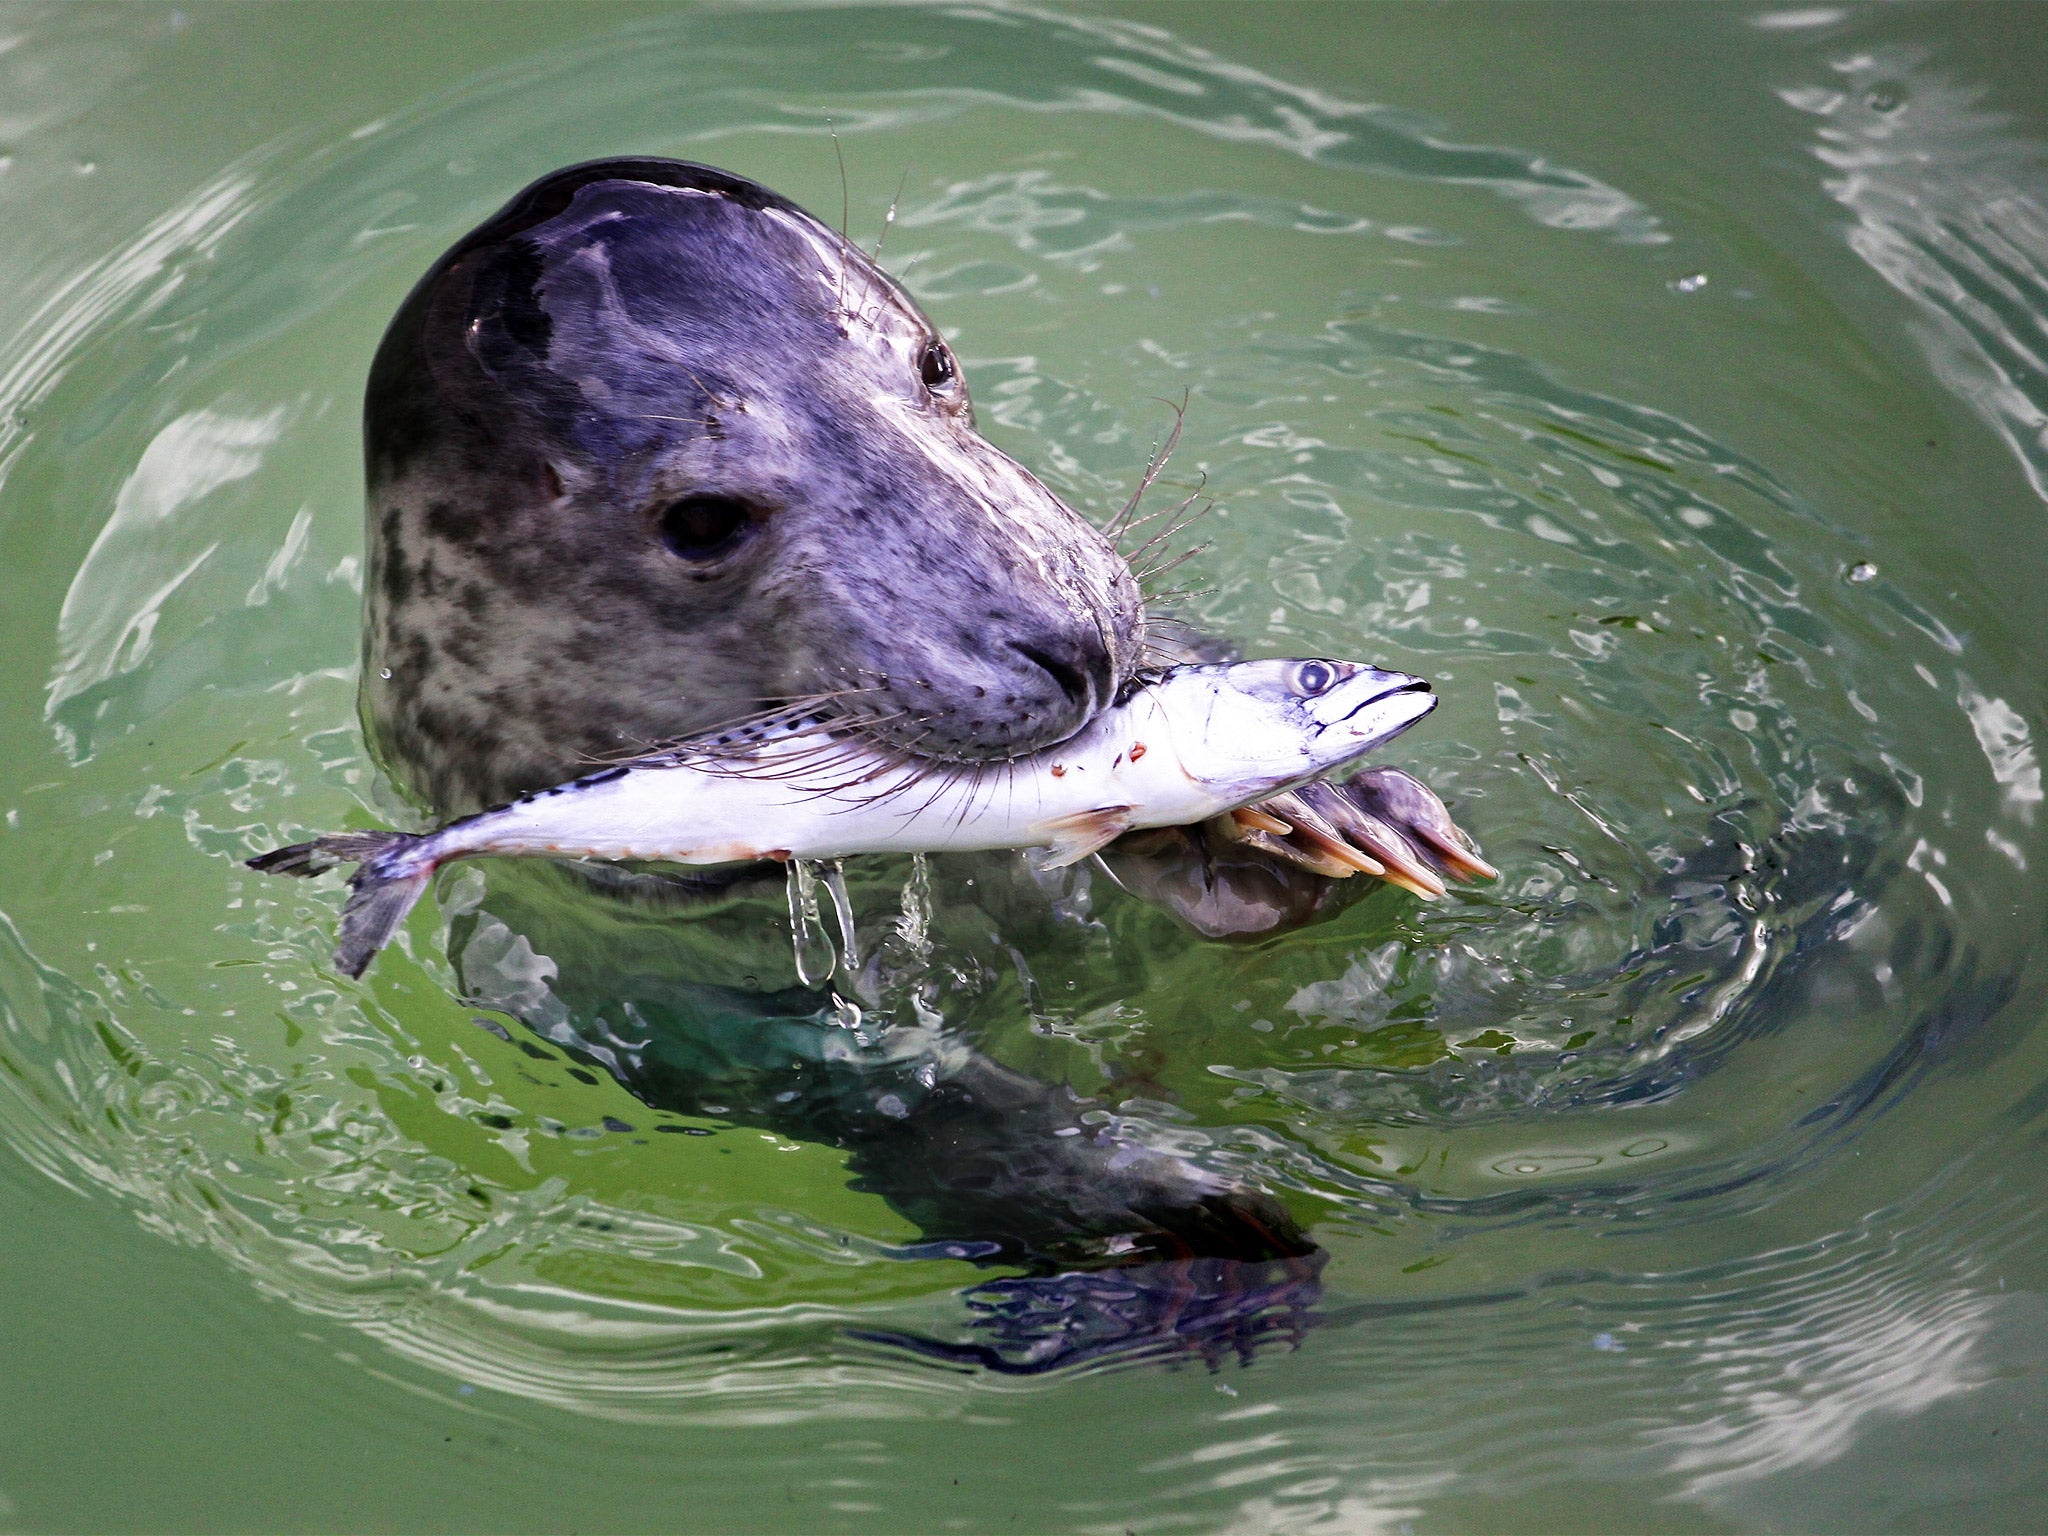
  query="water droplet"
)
[
  {"x": 813, "y": 952},
  {"x": 385, "y": 673},
  {"x": 842, "y": 912},
  {"x": 1691, "y": 283},
  {"x": 1860, "y": 572}
]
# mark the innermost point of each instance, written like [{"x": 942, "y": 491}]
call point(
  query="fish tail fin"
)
[
  {"x": 323, "y": 853},
  {"x": 379, "y": 896},
  {"x": 393, "y": 876}
]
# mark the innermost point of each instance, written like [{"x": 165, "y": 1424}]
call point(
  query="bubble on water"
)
[
  {"x": 1692, "y": 282},
  {"x": 1860, "y": 572}
]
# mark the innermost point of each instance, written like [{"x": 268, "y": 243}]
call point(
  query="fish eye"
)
[
  {"x": 703, "y": 528},
  {"x": 1312, "y": 677},
  {"x": 935, "y": 367}
]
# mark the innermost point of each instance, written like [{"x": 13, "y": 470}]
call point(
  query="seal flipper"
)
[
  {"x": 1071, "y": 839},
  {"x": 393, "y": 876}
]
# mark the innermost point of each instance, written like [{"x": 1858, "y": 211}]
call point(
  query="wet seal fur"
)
[{"x": 652, "y": 446}]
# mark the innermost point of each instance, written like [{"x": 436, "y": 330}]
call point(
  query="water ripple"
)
[{"x": 1757, "y": 823}]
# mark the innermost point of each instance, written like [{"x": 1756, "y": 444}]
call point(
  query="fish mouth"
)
[
  {"x": 1368, "y": 712},
  {"x": 1413, "y": 685}
]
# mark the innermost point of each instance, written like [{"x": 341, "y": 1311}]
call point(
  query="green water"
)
[{"x": 1665, "y": 384}]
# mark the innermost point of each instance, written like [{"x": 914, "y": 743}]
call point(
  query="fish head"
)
[{"x": 1268, "y": 725}]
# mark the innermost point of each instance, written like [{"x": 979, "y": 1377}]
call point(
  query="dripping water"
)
[{"x": 811, "y": 947}]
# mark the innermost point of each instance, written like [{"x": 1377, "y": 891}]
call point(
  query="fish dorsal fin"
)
[{"x": 1070, "y": 839}]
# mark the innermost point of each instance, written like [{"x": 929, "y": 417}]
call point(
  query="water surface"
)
[{"x": 1666, "y": 385}]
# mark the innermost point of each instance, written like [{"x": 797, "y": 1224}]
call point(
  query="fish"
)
[{"x": 1192, "y": 743}]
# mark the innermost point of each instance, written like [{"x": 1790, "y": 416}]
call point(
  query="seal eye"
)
[
  {"x": 936, "y": 366},
  {"x": 702, "y": 528},
  {"x": 1312, "y": 677}
]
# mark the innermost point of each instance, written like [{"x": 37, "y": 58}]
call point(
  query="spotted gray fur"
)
[{"x": 566, "y": 392}]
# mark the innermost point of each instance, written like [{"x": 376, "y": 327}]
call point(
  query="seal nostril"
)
[{"x": 1084, "y": 679}]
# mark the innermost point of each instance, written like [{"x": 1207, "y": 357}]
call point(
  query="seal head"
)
[{"x": 652, "y": 448}]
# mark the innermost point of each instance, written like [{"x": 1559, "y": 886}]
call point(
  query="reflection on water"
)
[
  {"x": 1680, "y": 1157},
  {"x": 1949, "y": 211}
]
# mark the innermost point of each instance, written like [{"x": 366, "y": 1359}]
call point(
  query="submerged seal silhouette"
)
[{"x": 652, "y": 446}]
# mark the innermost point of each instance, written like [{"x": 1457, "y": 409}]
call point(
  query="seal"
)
[
  {"x": 652, "y": 449},
  {"x": 653, "y": 446}
]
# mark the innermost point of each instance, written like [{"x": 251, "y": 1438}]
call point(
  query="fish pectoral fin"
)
[{"x": 1070, "y": 839}]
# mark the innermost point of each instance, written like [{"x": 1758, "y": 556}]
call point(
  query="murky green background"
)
[{"x": 1667, "y": 384}]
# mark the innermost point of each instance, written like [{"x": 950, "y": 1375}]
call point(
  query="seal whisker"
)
[
  {"x": 983, "y": 776},
  {"x": 712, "y": 397},
  {"x": 1201, "y": 483},
  {"x": 849, "y": 739},
  {"x": 1183, "y": 519},
  {"x": 869, "y": 272},
  {"x": 793, "y": 710},
  {"x": 845, "y": 213},
  {"x": 1152, "y": 572},
  {"x": 842, "y": 742},
  {"x": 889, "y": 218},
  {"x": 1154, "y": 463}
]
